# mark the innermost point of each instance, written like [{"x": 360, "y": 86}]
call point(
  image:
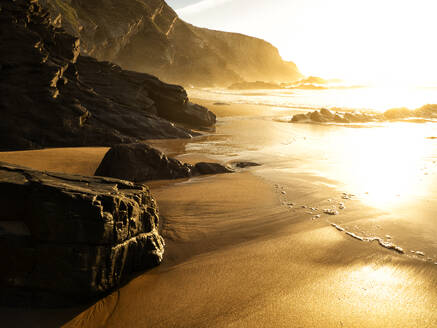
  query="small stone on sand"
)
[{"x": 330, "y": 211}]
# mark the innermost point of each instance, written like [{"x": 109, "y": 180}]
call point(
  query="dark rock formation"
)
[
  {"x": 68, "y": 238},
  {"x": 300, "y": 118},
  {"x": 427, "y": 112},
  {"x": 210, "y": 168},
  {"x": 51, "y": 96},
  {"x": 243, "y": 165},
  {"x": 140, "y": 162},
  {"x": 148, "y": 36}
]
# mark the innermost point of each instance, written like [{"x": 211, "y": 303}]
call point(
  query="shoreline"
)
[{"x": 237, "y": 254}]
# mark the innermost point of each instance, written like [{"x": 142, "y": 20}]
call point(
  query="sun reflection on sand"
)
[
  {"x": 386, "y": 166},
  {"x": 372, "y": 276}
]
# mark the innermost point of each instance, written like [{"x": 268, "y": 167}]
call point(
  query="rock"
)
[
  {"x": 54, "y": 97},
  {"x": 140, "y": 162},
  {"x": 210, "y": 168},
  {"x": 395, "y": 114},
  {"x": 192, "y": 115},
  {"x": 300, "y": 118},
  {"x": 317, "y": 117},
  {"x": 330, "y": 211},
  {"x": 148, "y": 36},
  {"x": 246, "y": 164},
  {"x": 352, "y": 118},
  {"x": 327, "y": 113},
  {"x": 340, "y": 119},
  {"x": 68, "y": 238}
]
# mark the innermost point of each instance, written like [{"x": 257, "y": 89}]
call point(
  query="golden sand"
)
[{"x": 239, "y": 254}]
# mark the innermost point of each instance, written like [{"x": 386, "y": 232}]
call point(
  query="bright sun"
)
[{"x": 383, "y": 42}]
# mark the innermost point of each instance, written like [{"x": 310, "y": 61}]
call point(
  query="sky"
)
[{"x": 374, "y": 41}]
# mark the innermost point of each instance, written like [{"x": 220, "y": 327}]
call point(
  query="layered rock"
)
[
  {"x": 148, "y": 36},
  {"x": 68, "y": 238},
  {"x": 140, "y": 162},
  {"x": 52, "y": 96}
]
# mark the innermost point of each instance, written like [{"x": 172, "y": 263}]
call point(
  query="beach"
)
[{"x": 257, "y": 248}]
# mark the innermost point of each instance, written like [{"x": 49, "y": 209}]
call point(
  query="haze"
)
[{"x": 390, "y": 41}]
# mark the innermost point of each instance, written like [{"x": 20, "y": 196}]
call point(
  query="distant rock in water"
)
[
  {"x": 326, "y": 116},
  {"x": 210, "y": 168},
  {"x": 68, "y": 238},
  {"x": 148, "y": 36},
  {"x": 253, "y": 85},
  {"x": 242, "y": 165},
  {"x": 140, "y": 162},
  {"x": 51, "y": 96}
]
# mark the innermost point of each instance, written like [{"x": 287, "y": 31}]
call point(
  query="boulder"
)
[
  {"x": 243, "y": 165},
  {"x": 190, "y": 114},
  {"x": 140, "y": 162},
  {"x": 68, "y": 238},
  {"x": 327, "y": 113},
  {"x": 299, "y": 118},
  {"x": 210, "y": 168},
  {"x": 318, "y": 117}
]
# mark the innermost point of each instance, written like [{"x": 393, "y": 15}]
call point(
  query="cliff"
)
[
  {"x": 52, "y": 96},
  {"x": 148, "y": 36}
]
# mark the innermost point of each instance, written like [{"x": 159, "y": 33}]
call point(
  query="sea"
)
[
  {"x": 341, "y": 97},
  {"x": 390, "y": 168}
]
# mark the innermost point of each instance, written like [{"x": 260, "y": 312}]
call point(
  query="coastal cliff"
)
[
  {"x": 148, "y": 36},
  {"x": 54, "y": 97}
]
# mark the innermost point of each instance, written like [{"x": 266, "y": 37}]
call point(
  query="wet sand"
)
[
  {"x": 245, "y": 250},
  {"x": 84, "y": 160}
]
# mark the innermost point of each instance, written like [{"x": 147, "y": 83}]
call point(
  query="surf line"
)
[{"x": 380, "y": 241}]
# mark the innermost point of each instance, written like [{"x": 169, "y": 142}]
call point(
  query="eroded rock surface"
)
[
  {"x": 140, "y": 162},
  {"x": 69, "y": 238},
  {"x": 51, "y": 96}
]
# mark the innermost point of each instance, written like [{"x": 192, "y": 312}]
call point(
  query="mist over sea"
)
[
  {"x": 388, "y": 166},
  {"x": 340, "y": 97}
]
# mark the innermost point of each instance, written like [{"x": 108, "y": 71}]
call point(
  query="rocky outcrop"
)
[
  {"x": 427, "y": 112},
  {"x": 52, "y": 96},
  {"x": 148, "y": 36},
  {"x": 68, "y": 238},
  {"x": 209, "y": 168},
  {"x": 140, "y": 162},
  {"x": 243, "y": 165}
]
